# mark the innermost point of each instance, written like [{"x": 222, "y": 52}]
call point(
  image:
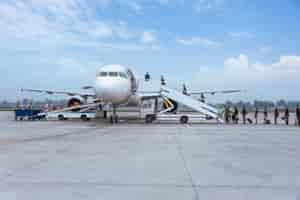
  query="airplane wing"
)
[
  {"x": 59, "y": 92},
  {"x": 154, "y": 94},
  {"x": 215, "y": 92},
  {"x": 77, "y": 107},
  {"x": 144, "y": 95}
]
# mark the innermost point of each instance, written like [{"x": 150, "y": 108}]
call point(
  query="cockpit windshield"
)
[
  {"x": 113, "y": 74},
  {"x": 102, "y": 74},
  {"x": 123, "y": 75}
]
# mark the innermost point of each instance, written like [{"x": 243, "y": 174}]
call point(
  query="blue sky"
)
[{"x": 207, "y": 44}]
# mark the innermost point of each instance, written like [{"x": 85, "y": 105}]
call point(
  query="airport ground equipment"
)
[
  {"x": 83, "y": 112},
  {"x": 84, "y": 116},
  {"x": 28, "y": 113},
  {"x": 203, "y": 112}
]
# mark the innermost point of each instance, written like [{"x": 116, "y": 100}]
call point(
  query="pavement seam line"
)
[{"x": 181, "y": 154}]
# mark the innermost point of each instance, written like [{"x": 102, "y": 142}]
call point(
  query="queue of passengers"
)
[{"x": 233, "y": 115}]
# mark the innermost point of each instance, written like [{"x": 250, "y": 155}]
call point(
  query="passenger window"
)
[
  {"x": 103, "y": 74},
  {"x": 114, "y": 74},
  {"x": 123, "y": 75}
]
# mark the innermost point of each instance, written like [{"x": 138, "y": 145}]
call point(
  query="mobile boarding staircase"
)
[{"x": 206, "y": 111}]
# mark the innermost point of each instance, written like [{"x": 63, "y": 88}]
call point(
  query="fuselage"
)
[{"x": 115, "y": 84}]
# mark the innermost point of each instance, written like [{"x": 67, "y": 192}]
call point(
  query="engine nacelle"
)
[
  {"x": 74, "y": 102},
  {"x": 134, "y": 101}
]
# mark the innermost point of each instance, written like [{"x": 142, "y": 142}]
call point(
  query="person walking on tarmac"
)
[
  {"x": 298, "y": 115},
  {"x": 256, "y": 115},
  {"x": 287, "y": 115},
  {"x": 226, "y": 114},
  {"x": 266, "y": 115},
  {"x": 276, "y": 115},
  {"x": 235, "y": 115},
  {"x": 244, "y": 113}
]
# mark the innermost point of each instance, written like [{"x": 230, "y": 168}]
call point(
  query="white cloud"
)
[
  {"x": 241, "y": 34},
  {"x": 209, "y": 5},
  {"x": 148, "y": 37},
  {"x": 288, "y": 63},
  {"x": 285, "y": 67},
  {"x": 101, "y": 31},
  {"x": 134, "y": 6},
  {"x": 163, "y": 2},
  {"x": 239, "y": 63},
  {"x": 60, "y": 23},
  {"x": 73, "y": 69},
  {"x": 240, "y": 71},
  {"x": 259, "y": 80},
  {"x": 197, "y": 41}
]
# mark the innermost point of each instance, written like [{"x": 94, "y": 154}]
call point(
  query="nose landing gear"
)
[{"x": 114, "y": 118}]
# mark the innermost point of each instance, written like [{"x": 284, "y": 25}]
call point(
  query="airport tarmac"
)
[{"x": 95, "y": 160}]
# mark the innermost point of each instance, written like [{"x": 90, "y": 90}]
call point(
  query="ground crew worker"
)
[
  {"x": 256, "y": 115},
  {"x": 265, "y": 115},
  {"x": 235, "y": 115},
  {"x": 276, "y": 115},
  {"x": 226, "y": 114},
  {"x": 244, "y": 113},
  {"x": 287, "y": 115},
  {"x": 298, "y": 115}
]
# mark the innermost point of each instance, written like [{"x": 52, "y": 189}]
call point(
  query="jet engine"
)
[
  {"x": 134, "y": 101},
  {"x": 74, "y": 102}
]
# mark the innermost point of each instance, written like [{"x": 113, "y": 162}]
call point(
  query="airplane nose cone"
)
[{"x": 113, "y": 91}]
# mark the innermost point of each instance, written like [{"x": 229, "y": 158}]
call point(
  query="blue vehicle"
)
[{"x": 29, "y": 114}]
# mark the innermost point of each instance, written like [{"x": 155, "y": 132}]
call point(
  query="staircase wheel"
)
[{"x": 184, "y": 119}]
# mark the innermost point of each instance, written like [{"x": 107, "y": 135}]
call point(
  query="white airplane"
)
[{"x": 115, "y": 85}]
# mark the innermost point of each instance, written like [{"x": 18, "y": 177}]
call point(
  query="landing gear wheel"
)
[
  {"x": 111, "y": 119},
  {"x": 61, "y": 117},
  {"x": 84, "y": 118},
  {"x": 184, "y": 119},
  {"x": 149, "y": 119},
  {"x": 114, "y": 119}
]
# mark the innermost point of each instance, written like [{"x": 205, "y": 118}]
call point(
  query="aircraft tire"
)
[
  {"x": 111, "y": 119},
  {"x": 184, "y": 119},
  {"x": 116, "y": 119},
  {"x": 149, "y": 119},
  {"x": 84, "y": 118},
  {"x": 61, "y": 117}
]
